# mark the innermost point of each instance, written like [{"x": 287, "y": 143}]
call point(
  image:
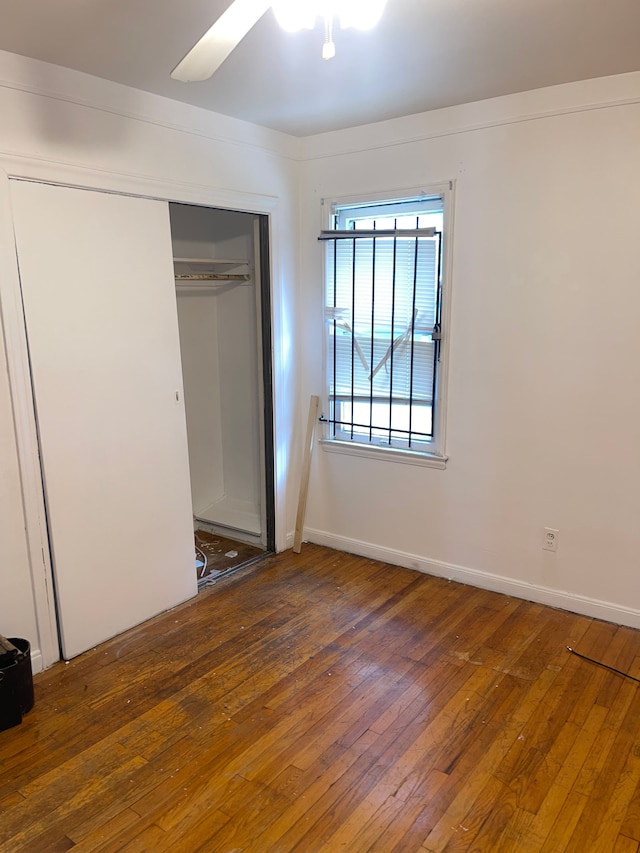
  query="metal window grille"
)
[{"x": 382, "y": 315}]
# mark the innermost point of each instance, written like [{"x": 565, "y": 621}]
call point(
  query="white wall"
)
[
  {"x": 543, "y": 407},
  {"x": 198, "y": 322},
  {"x": 66, "y": 127},
  {"x": 239, "y": 395}
]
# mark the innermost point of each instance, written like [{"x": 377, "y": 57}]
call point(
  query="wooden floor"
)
[{"x": 324, "y": 702}]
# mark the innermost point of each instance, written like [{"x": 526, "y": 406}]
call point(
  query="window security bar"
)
[
  {"x": 380, "y": 232},
  {"x": 384, "y": 333},
  {"x": 413, "y": 433},
  {"x": 339, "y": 317}
]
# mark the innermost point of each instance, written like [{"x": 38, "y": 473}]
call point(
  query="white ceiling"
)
[{"x": 423, "y": 55}]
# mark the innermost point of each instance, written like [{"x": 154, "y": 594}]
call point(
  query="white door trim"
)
[{"x": 26, "y": 434}]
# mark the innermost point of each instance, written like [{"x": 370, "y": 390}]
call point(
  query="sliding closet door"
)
[{"x": 97, "y": 282}]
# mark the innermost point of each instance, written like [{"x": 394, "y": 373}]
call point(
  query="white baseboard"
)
[
  {"x": 605, "y": 610},
  {"x": 36, "y": 661}
]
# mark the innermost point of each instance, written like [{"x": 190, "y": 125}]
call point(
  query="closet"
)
[
  {"x": 96, "y": 275},
  {"x": 133, "y": 455},
  {"x": 218, "y": 264}
]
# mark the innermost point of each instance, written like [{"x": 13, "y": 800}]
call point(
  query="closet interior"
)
[{"x": 221, "y": 273}]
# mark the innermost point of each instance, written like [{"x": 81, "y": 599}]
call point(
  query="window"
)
[{"x": 383, "y": 323}]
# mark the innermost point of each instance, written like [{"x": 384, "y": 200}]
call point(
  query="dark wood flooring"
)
[{"x": 325, "y": 702}]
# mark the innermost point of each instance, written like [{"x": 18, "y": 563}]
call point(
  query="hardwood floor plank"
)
[
  {"x": 344, "y": 794},
  {"x": 379, "y": 822},
  {"x": 484, "y": 824},
  {"x": 620, "y": 774},
  {"x": 631, "y": 823},
  {"x": 558, "y": 792},
  {"x": 102, "y": 833},
  {"x": 395, "y": 837},
  {"x": 152, "y": 838},
  {"x": 625, "y": 845},
  {"x": 563, "y": 827},
  {"x": 59, "y": 807},
  {"x": 322, "y": 702},
  {"x": 515, "y": 833},
  {"x": 287, "y": 829}
]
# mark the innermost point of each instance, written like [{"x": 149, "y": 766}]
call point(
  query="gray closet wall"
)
[{"x": 220, "y": 346}]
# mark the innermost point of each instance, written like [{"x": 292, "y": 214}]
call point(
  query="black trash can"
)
[{"x": 16, "y": 683}]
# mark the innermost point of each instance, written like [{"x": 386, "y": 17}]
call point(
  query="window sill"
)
[{"x": 385, "y": 454}]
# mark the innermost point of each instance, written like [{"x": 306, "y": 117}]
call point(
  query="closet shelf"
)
[{"x": 186, "y": 265}]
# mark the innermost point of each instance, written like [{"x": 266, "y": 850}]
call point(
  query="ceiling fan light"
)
[
  {"x": 328, "y": 50},
  {"x": 294, "y": 15},
  {"x": 361, "y": 14}
]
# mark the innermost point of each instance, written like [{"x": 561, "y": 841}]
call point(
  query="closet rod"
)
[{"x": 211, "y": 276}]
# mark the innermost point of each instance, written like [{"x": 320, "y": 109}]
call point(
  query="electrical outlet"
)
[{"x": 550, "y": 538}]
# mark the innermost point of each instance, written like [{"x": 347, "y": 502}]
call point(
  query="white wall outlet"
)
[{"x": 550, "y": 538}]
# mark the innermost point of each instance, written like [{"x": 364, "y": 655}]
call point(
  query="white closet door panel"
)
[{"x": 97, "y": 280}]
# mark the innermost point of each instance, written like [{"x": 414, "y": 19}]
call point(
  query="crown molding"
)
[
  {"x": 579, "y": 97},
  {"x": 42, "y": 79}
]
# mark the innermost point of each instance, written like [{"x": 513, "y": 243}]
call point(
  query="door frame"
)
[
  {"x": 13, "y": 323},
  {"x": 263, "y": 278},
  {"x": 264, "y": 368}
]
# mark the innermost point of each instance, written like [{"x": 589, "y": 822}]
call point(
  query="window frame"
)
[{"x": 435, "y": 456}]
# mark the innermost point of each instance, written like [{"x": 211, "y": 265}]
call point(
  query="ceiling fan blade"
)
[{"x": 219, "y": 40}]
